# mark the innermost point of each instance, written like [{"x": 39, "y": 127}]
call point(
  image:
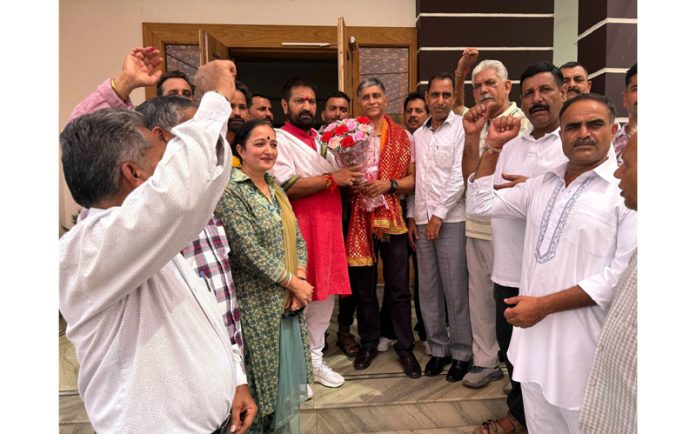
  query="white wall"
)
[
  {"x": 565, "y": 31},
  {"x": 95, "y": 35}
]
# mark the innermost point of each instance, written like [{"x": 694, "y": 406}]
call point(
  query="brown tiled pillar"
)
[
  {"x": 607, "y": 45},
  {"x": 517, "y": 33}
]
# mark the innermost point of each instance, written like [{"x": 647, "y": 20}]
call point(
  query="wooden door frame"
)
[{"x": 271, "y": 37}]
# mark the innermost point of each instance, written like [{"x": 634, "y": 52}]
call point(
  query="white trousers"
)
[
  {"x": 545, "y": 418},
  {"x": 317, "y": 316}
]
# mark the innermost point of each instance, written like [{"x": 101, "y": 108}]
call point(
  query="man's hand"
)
[
  {"x": 140, "y": 68},
  {"x": 526, "y": 311},
  {"x": 347, "y": 176},
  {"x": 467, "y": 61},
  {"x": 218, "y": 75},
  {"x": 432, "y": 229},
  {"x": 475, "y": 119},
  {"x": 514, "y": 180},
  {"x": 376, "y": 187},
  {"x": 502, "y": 130},
  {"x": 243, "y": 410},
  {"x": 412, "y": 233}
]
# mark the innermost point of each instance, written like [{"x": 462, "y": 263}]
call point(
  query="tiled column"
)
[
  {"x": 607, "y": 45},
  {"x": 517, "y": 33}
]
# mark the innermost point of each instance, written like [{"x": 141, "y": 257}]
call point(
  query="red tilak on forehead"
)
[{"x": 307, "y": 99}]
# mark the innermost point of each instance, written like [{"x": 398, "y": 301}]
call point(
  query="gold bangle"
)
[{"x": 113, "y": 87}]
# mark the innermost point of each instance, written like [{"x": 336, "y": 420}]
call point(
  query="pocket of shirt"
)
[{"x": 443, "y": 157}]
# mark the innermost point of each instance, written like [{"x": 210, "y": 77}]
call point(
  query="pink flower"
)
[
  {"x": 335, "y": 142},
  {"x": 331, "y": 126},
  {"x": 359, "y": 136},
  {"x": 351, "y": 124}
]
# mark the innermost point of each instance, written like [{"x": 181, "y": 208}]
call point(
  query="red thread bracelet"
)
[{"x": 330, "y": 182}]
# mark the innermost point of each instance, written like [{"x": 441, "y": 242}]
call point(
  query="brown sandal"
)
[
  {"x": 346, "y": 342},
  {"x": 494, "y": 427}
]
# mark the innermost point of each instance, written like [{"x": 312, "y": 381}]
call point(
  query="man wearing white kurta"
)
[
  {"x": 579, "y": 236},
  {"x": 154, "y": 354}
]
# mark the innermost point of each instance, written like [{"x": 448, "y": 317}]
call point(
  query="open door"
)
[
  {"x": 210, "y": 48},
  {"x": 348, "y": 65}
]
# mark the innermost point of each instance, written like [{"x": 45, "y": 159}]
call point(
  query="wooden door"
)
[
  {"x": 348, "y": 64},
  {"x": 210, "y": 48}
]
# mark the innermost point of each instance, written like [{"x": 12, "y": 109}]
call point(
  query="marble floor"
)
[{"x": 380, "y": 399}]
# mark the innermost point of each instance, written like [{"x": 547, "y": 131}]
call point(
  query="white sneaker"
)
[
  {"x": 384, "y": 344},
  {"x": 327, "y": 376},
  {"x": 310, "y": 393},
  {"x": 426, "y": 348}
]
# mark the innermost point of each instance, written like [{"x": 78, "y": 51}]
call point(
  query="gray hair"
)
[
  {"x": 164, "y": 111},
  {"x": 93, "y": 148},
  {"x": 371, "y": 81},
  {"x": 500, "y": 69}
]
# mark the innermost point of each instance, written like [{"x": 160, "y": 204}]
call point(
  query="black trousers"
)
[
  {"x": 363, "y": 282},
  {"x": 503, "y": 332}
]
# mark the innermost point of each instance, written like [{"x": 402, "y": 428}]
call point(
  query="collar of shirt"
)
[
  {"x": 238, "y": 175},
  {"x": 512, "y": 109},
  {"x": 553, "y": 135},
  {"x": 605, "y": 170},
  {"x": 309, "y": 139},
  {"x": 448, "y": 120}
]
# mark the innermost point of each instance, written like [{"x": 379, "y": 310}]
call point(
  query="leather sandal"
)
[
  {"x": 492, "y": 426},
  {"x": 346, "y": 342}
]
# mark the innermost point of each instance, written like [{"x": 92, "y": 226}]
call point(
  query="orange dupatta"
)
[{"x": 394, "y": 159}]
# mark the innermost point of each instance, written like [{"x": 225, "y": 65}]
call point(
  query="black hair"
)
[
  {"x": 245, "y": 91},
  {"x": 175, "y": 73},
  {"x": 414, "y": 96},
  {"x": 633, "y": 70},
  {"x": 590, "y": 97},
  {"x": 244, "y": 131},
  {"x": 296, "y": 82},
  {"x": 338, "y": 94},
  {"x": 441, "y": 76},
  {"x": 538, "y": 68},
  {"x": 573, "y": 64}
]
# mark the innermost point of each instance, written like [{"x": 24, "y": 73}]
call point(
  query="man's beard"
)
[
  {"x": 303, "y": 120},
  {"x": 234, "y": 123}
]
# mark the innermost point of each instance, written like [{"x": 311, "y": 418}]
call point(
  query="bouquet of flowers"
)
[{"x": 348, "y": 140}]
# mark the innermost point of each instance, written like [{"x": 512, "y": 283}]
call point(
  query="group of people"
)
[{"x": 211, "y": 249}]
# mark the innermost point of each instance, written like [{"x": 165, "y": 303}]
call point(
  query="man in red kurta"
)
[{"x": 311, "y": 181}]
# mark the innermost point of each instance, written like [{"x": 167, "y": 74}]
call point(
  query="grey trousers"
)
[
  {"x": 479, "y": 260},
  {"x": 442, "y": 276}
]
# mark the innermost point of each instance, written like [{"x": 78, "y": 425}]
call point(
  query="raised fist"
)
[{"x": 502, "y": 130}]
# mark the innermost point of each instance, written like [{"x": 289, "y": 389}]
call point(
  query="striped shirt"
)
[{"x": 610, "y": 399}]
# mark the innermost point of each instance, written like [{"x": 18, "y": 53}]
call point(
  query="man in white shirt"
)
[
  {"x": 491, "y": 93},
  {"x": 436, "y": 226},
  {"x": 154, "y": 353},
  {"x": 579, "y": 237},
  {"x": 528, "y": 155}
]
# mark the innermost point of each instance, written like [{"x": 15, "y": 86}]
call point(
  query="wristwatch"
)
[{"x": 394, "y": 186}]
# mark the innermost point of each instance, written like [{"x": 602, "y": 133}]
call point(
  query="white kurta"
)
[
  {"x": 154, "y": 354},
  {"x": 577, "y": 235},
  {"x": 530, "y": 157}
]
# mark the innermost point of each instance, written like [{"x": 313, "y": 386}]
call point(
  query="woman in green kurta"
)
[{"x": 268, "y": 258}]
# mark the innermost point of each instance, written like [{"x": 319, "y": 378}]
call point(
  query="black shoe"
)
[
  {"x": 436, "y": 365},
  {"x": 410, "y": 364},
  {"x": 457, "y": 371},
  {"x": 365, "y": 357},
  {"x": 346, "y": 342}
]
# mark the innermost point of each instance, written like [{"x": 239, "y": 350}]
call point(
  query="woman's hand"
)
[{"x": 301, "y": 289}]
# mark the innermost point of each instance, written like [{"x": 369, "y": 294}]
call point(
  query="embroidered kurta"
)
[
  {"x": 154, "y": 354},
  {"x": 257, "y": 257},
  {"x": 581, "y": 234},
  {"x": 319, "y": 215}
]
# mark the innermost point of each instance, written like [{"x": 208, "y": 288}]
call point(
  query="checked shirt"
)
[{"x": 208, "y": 254}]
